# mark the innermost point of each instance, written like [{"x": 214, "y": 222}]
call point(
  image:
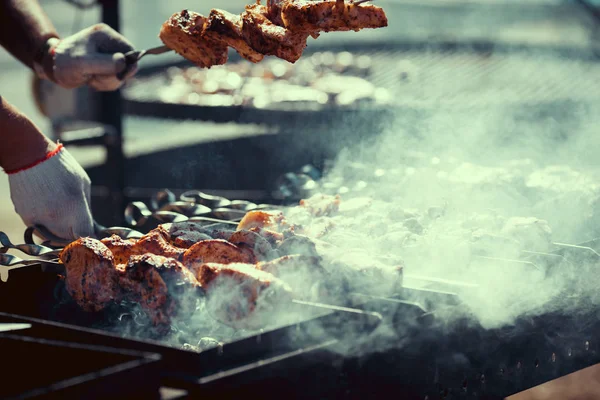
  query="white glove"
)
[
  {"x": 56, "y": 194},
  {"x": 92, "y": 56}
]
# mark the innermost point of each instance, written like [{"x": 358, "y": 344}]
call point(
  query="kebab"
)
[
  {"x": 169, "y": 268},
  {"x": 280, "y": 29},
  {"x": 165, "y": 278}
]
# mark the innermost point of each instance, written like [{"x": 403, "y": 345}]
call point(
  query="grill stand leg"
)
[{"x": 111, "y": 114}]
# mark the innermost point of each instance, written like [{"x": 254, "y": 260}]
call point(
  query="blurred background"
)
[{"x": 434, "y": 54}]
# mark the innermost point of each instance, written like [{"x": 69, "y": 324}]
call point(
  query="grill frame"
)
[{"x": 89, "y": 371}]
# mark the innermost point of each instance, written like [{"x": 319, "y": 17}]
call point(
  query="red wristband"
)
[{"x": 46, "y": 157}]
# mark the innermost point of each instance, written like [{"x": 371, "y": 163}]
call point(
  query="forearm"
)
[
  {"x": 24, "y": 28},
  {"x": 21, "y": 142}
]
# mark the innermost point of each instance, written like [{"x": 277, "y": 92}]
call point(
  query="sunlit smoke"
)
[{"x": 479, "y": 198}]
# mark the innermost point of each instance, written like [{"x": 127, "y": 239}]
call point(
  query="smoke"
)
[
  {"x": 480, "y": 198},
  {"x": 471, "y": 206}
]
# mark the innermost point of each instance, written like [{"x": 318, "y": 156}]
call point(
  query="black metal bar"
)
[
  {"x": 111, "y": 114},
  {"x": 590, "y": 9}
]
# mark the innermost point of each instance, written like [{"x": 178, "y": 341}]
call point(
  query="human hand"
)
[
  {"x": 93, "y": 56},
  {"x": 54, "y": 193}
]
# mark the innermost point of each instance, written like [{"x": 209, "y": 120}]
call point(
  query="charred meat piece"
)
[
  {"x": 92, "y": 280},
  {"x": 226, "y": 28},
  {"x": 157, "y": 242},
  {"x": 221, "y": 234},
  {"x": 303, "y": 273},
  {"x": 258, "y": 219},
  {"x": 330, "y": 15},
  {"x": 214, "y": 251},
  {"x": 161, "y": 285},
  {"x": 274, "y": 238},
  {"x": 252, "y": 243},
  {"x": 321, "y": 204},
  {"x": 274, "y": 11},
  {"x": 264, "y": 224},
  {"x": 183, "y": 33},
  {"x": 121, "y": 249},
  {"x": 240, "y": 295},
  {"x": 270, "y": 39},
  {"x": 186, "y": 234},
  {"x": 298, "y": 244}
]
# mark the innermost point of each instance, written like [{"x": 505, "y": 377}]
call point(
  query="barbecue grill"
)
[{"x": 467, "y": 361}]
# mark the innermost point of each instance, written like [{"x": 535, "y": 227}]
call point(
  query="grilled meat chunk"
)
[
  {"x": 253, "y": 244},
  {"x": 321, "y": 204},
  {"x": 221, "y": 234},
  {"x": 274, "y": 11},
  {"x": 280, "y": 29},
  {"x": 257, "y": 219},
  {"x": 240, "y": 295},
  {"x": 282, "y": 265},
  {"x": 91, "y": 279},
  {"x": 214, "y": 251},
  {"x": 270, "y": 39},
  {"x": 185, "y": 234},
  {"x": 183, "y": 33},
  {"x": 161, "y": 285},
  {"x": 157, "y": 242},
  {"x": 298, "y": 244},
  {"x": 226, "y": 28},
  {"x": 303, "y": 273},
  {"x": 330, "y": 15},
  {"x": 121, "y": 249},
  {"x": 274, "y": 238}
]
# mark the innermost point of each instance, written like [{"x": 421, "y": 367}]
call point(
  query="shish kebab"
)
[
  {"x": 246, "y": 275},
  {"x": 280, "y": 28},
  {"x": 153, "y": 269}
]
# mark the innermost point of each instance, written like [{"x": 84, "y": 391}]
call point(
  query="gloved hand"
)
[
  {"x": 92, "y": 56},
  {"x": 54, "y": 193}
]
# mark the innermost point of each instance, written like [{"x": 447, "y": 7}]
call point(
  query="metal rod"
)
[
  {"x": 111, "y": 114},
  {"x": 591, "y": 9}
]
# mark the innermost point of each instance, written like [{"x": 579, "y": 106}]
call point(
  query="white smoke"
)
[{"x": 480, "y": 199}]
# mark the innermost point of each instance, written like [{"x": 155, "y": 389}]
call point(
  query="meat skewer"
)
[
  {"x": 240, "y": 295},
  {"x": 247, "y": 276},
  {"x": 92, "y": 279},
  {"x": 161, "y": 285},
  {"x": 281, "y": 29}
]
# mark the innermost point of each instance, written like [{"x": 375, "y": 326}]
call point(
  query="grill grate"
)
[
  {"x": 474, "y": 79},
  {"x": 422, "y": 77}
]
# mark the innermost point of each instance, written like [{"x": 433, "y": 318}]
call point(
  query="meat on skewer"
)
[
  {"x": 92, "y": 280},
  {"x": 186, "y": 234},
  {"x": 162, "y": 286},
  {"x": 291, "y": 264},
  {"x": 280, "y": 29},
  {"x": 257, "y": 247},
  {"x": 121, "y": 249},
  {"x": 215, "y": 251},
  {"x": 271, "y": 39},
  {"x": 156, "y": 242},
  {"x": 224, "y": 27},
  {"x": 256, "y": 219},
  {"x": 329, "y": 15},
  {"x": 240, "y": 295},
  {"x": 183, "y": 33}
]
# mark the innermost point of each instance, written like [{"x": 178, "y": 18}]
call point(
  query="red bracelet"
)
[{"x": 46, "y": 157}]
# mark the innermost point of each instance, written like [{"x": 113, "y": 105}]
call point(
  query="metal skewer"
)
[{"x": 134, "y": 56}]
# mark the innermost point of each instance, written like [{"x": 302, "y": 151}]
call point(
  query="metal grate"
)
[
  {"x": 417, "y": 76},
  {"x": 470, "y": 79}
]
